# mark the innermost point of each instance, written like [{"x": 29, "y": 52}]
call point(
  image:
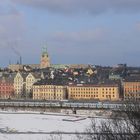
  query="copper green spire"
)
[{"x": 44, "y": 50}]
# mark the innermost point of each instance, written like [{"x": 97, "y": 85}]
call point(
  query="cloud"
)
[
  {"x": 75, "y": 45},
  {"x": 96, "y": 36},
  {"x": 84, "y": 6},
  {"x": 101, "y": 46},
  {"x": 11, "y": 23},
  {"x": 7, "y": 10},
  {"x": 137, "y": 26}
]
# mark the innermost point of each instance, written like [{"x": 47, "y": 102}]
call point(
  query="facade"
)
[
  {"x": 131, "y": 90},
  {"x": 76, "y": 92},
  {"x": 20, "y": 67},
  {"x": 45, "y": 60},
  {"x": 91, "y": 92},
  {"x": 115, "y": 77},
  {"x": 72, "y": 66},
  {"x": 15, "y": 67},
  {"x": 23, "y": 83},
  {"x": 30, "y": 80},
  {"x": 20, "y": 85},
  {"x": 6, "y": 87},
  {"x": 49, "y": 92}
]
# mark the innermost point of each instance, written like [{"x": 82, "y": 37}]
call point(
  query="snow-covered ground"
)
[
  {"x": 36, "y": 137},
  {"x": 36, "y": 126}
]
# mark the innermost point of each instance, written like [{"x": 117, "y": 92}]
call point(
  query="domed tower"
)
[{"x": 45, "y": 60}]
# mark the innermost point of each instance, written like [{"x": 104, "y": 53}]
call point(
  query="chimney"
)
[{"x": 20, "y": 60}]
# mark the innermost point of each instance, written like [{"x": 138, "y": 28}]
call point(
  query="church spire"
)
[
  {"x": 44, "y": 50},
  {"x": 45, "y": 61}
]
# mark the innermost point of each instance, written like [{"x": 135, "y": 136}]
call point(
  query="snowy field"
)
[{"x": 22, "y": 126}]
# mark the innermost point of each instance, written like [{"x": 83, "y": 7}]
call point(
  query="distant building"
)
[
  {"x": 45, "y": 63},
  {"x": 78, "y": 66},
  {"x": 118, "y": 72},
  {"x": 91, "y": 92},
  {"x": 132, "y": 88},
  {"x": 15, "y": 67},
  {"x": 25, "y": 67},
  {"x": 45, "y": 60},
  {"x": 67, "y": 66}
]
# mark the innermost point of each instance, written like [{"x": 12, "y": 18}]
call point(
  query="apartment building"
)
[
  {"x": 20, "y": 85},
  {"x": 30, "y": 80},
  {"x": 49, "y": 92},
  {"x": 91, "y": 92},
  {"x": 6, "y": 87},
  {"x": 131, "y": 88},
  {"x": 76, "y": 92}
]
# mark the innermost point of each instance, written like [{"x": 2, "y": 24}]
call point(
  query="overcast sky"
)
[{"x": 101, "y": 32}]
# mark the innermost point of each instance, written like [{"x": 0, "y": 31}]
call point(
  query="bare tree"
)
[
  {"x": 124, "y": 127},
  {"x": 57, "y": 136}
]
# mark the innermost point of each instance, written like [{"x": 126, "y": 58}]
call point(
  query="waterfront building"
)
[
  {"x": 49, "y": 92},
  {"x": 30, "y": 80},
  {"x": 6, "y": 87},
  {"x": 76, "y": 92},
  {"x": 91, "y": 92},
  {"x": 132, "y": 88},
  {"x": 20, "y": 85}
]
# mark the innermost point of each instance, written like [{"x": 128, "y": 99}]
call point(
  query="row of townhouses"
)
[
  {"x": 34, "y": 85},
  {"x": 23, "y": 84}
]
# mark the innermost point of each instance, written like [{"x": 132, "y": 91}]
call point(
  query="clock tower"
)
[{"x": 45, "y": 60}]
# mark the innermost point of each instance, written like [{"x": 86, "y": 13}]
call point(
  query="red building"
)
[{"x": 6, "y": 87}]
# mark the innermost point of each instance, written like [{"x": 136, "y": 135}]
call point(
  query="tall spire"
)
[
  {"x": 45, "y": 48},
  {"x": 45, "y": 61}
]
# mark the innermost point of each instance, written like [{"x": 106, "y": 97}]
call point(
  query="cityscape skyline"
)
[{"x": 100, "y": 32}]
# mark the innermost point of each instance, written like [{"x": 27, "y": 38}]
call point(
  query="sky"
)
[{"x": 98, "y": 32}]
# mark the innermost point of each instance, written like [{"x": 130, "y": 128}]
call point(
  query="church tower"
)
[{"x": 45, "y": 60}]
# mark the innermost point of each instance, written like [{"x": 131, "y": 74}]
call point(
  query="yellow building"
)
[
  {"x": 15, "y": 67},
  {"x": 100, "y": 92},
  {"x": 20, "y": 67},
  {"x": 49, "y": 92},
  {"x": 131, "y": 89}
]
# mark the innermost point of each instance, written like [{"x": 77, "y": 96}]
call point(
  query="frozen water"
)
[{"x": 16, "y": 124}]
